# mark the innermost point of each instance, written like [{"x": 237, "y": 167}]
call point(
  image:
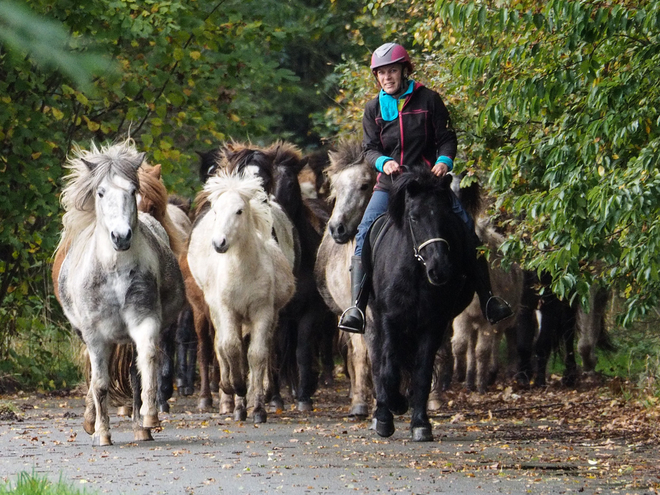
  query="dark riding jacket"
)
[{"x": 421, "y": 133}]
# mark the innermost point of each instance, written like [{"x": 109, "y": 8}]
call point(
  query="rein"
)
[{"x": 417, "y": 248}]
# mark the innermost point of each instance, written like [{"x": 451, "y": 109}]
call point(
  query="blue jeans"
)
[{"x": 378, "y": 205}]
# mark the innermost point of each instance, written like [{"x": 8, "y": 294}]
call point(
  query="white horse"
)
[
  {"x": 352, "y": 181},
  {"x": 245, "y": 279},
  {"x": 116, "y": 278}
]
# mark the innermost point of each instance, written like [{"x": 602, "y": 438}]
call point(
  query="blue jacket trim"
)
[
  {"x": 380, "y": 162},
  {"x": 447, "y": 161},
  {"x": 389, "y": 106}
]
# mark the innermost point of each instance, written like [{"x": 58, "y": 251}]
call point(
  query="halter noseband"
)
[{"x": 418, "y": 248}]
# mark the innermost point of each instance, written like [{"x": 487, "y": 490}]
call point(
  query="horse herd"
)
[{"x": 260, "y": 270}]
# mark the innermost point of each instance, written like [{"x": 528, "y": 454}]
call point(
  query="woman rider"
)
[{"x": 408, "y": 124}]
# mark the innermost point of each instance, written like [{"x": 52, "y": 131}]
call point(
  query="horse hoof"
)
[
  {"x": 421, "y": 434},
  {"x": 434, "y": 405},
  {"x": 360, "y": 411},
  {"x": 101, "y": 440},
  {"x": 276, "y": 405},
  {"x": 226, "y": 407},
  {"x": 384, "y": 428},
  {"x": 305, "y": 406},
  {"x": 164, "y": 408},
  {"x": 205, "y": 404},
  {"x": 142, "y": 435},
  {"x": 240, "y": 415},
  {"x": 150, "y": 421},
  {"x": 187, "y": 391},
  {"x": 327, "y": 379},
  {"x": 125, "y": 411},
  {"x": 260, "y": 416},
  {"x": 88, "y": 426}
]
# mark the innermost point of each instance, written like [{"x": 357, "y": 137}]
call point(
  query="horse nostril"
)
[
  {"x": 341, "y": 230},
  {"x": 220, "y": 247}
]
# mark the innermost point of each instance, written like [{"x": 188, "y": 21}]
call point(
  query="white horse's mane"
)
[
  {"x": 251, "y": 190},
  {"x": 78, "y": 195}
]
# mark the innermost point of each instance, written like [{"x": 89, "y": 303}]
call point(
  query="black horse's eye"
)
[
  {"x": 364, "y": 187},
  {"x": 239, "y": 212},
  {"x": 414, "y": 218}
]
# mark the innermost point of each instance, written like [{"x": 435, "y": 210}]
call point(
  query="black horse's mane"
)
[{"x": 412, "y": 182}]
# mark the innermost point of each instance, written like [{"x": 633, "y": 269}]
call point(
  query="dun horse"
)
[
  {"x": 352, "y": 181},
  {"x": 116, "y": 278},
  {"x": 245, "y": 280}
]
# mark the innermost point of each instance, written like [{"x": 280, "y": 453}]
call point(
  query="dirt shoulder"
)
[{"x": 507, "y": 441}]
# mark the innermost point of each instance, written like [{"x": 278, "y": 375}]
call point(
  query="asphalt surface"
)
[{"x": 319, "y": 452}]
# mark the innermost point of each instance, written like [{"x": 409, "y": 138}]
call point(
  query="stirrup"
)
[
  {"x": 504, "y": 308},
  {"x": 346, "y": 328}
]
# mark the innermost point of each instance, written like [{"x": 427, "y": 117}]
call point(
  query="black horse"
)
[
  {"x": 418, "y": 285},
  {"x": 306, "y": 325}
]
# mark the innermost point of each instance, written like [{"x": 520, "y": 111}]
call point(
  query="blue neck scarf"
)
[{"x": 389, "y": 106}]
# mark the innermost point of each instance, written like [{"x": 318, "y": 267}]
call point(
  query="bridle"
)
[{"x": 418, "y": 247}]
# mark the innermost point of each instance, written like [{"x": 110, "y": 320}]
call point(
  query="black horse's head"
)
[
  {"x": 287, "y": 163},
  {"x": 421, "y": 205}
]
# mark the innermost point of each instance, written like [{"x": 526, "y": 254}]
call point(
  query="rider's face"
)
[{"x": 389, "y": 77}]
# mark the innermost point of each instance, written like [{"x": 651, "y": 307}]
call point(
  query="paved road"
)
[{"x": 323, "y": 452}]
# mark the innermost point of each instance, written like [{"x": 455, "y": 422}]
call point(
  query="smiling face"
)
[{"x": 390, "y": 77}]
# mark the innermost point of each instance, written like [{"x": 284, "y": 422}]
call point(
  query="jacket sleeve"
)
[
  {"x": 445, "y": 136},
  {"x": 371, "y": 141}
]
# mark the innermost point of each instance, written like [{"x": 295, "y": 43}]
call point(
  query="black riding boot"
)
[
  {"x": 493, "y": 308},
  {"x": 353, "y": 319}
]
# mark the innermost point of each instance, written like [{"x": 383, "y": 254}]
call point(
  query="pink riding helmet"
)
[{"x": 390, "y": 53}]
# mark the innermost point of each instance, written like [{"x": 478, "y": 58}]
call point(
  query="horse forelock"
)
[
  {"x": 78, "y": 197},
  {"x": 348, "y": 153},
  {"x": 249, "y": 188},
  {"x": 414, "y": 183},
  {"x": 286, "y": 155}
]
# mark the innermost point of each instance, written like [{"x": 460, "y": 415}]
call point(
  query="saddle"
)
[{"x": 372, "y": 241}]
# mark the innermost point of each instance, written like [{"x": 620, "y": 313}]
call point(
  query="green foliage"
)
[
  {"x": 555, "y": 105},
  {"x": 177, "y": 76},
  {"x": 35, "y": 484}
]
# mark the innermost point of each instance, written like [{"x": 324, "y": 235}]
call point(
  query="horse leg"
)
[
  {"x": 442, "y": 375},
  {"x": 166, "y": 368},
  {"x": 186, "y": 352},
  {"x": 307, "y": 379},
  {"x": 460, "y": 343},
  {"x": 89, "y": 417},
  {"x": 387, "y": 376},
  {"x": 139, "y": 433},
  {"x": 229, "y": 349},
  {"x": 240, "y": 408},
  {"x": 145, "y": 335},
  {"x": 358, "y": 358},
  {"x": 472, "y": 358},
  {"x": 205, "y": 357},
  {"x": 484, "y": 356},
  {"x": 226, "y": 403},
  {"x": 328, "y": 334},
  {"x": 100, "y": 359},
  {"x": 422, "y": 375},
  {"x": 258, "y": 357},
  {"x": 568, "y": 337}
]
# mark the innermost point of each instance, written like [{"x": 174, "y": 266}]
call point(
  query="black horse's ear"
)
[
  {"x": 446, "y": 181},
  {"x": 90, "y": 165},
  {"x": 413, "y": 187}
]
